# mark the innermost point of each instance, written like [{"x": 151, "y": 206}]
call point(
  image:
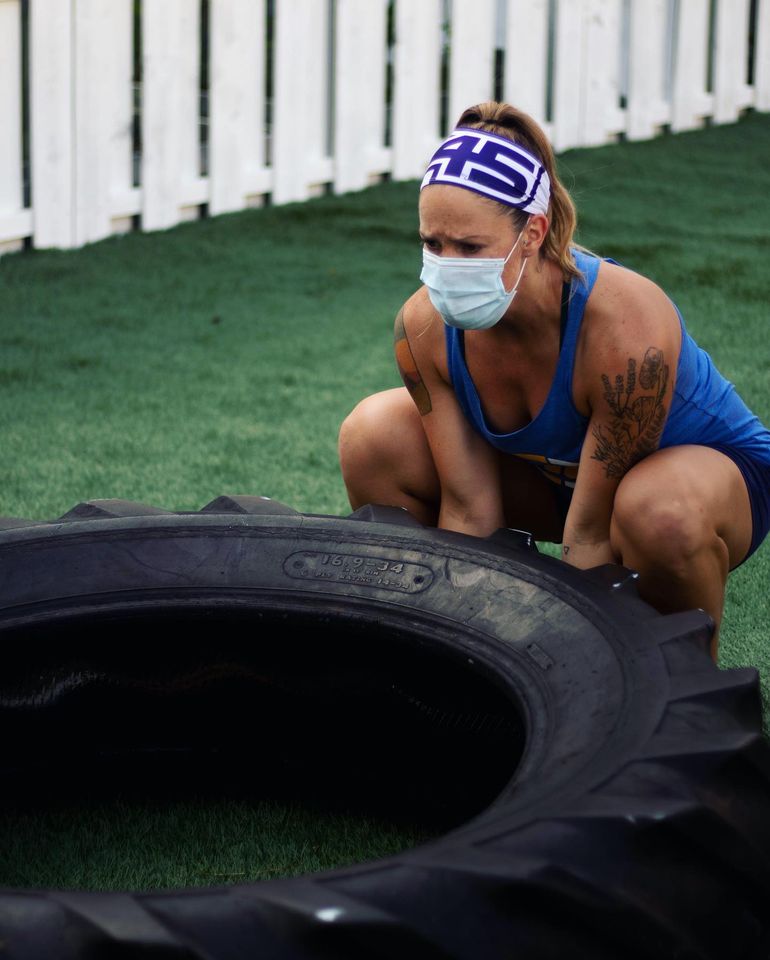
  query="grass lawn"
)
[{"x": 221, "y": 356}]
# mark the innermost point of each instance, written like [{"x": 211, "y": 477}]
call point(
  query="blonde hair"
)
[{"x": 506, "y": 121}]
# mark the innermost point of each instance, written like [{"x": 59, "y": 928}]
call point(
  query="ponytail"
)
[{"x": 506, "y": 121}]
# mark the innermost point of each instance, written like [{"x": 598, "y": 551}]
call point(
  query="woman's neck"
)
[{"x": 537, "y": 307}]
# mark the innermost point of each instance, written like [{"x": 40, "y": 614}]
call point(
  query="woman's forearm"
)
[
  {"x": 479, "y": 518},
  {"x": 587, "y": 553}
]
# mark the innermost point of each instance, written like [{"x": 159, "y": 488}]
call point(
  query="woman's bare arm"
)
[
  {"x": 625, "y": 371},
  {"x": 467, "y": 465}
]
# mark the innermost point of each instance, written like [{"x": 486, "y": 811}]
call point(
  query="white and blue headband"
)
[{"x": 493, "y": 166}]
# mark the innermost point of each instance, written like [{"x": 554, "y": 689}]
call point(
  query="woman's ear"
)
[{"x": 534, "y": 232}]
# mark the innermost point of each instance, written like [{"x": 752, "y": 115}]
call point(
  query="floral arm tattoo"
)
[
  {"x": 634, "y": 429},
  {"x": 408, "y": 368}
]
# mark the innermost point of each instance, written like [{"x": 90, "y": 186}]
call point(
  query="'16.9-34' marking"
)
[{"x": 390, "y": 573}]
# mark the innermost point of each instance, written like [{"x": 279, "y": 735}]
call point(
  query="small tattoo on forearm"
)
[
  {"x": 408, "y": 368},
  {"x": 636, "y": 425}
]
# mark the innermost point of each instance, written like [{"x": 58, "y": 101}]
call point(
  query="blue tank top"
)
[{"x": 705, "y": 408}]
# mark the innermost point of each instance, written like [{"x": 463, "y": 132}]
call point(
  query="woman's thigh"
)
[{"x": 693, "y": 491}]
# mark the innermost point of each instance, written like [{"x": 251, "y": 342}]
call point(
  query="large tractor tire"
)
[{"x": 602, "y": 786}]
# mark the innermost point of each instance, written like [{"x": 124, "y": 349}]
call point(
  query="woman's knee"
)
[
  {"x": 355, "y": 432},
  {"x": 668, "y": 527},
  {"x": 367, "y": 432},
  {"x": 384, "y": 455}
]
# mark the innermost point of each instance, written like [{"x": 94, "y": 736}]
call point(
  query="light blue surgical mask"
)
[{"x": 469, "y": 292}]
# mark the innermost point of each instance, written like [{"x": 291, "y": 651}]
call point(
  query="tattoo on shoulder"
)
[
  {"x": 638, "y": 411},
  {"x": 408, "y": 368}
]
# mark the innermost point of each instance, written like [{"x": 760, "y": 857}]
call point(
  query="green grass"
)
[
  {"x": 140, "y": 846},
  {"x": 221, "y": 356}
]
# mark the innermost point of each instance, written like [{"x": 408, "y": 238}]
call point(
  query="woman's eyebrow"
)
[{"x": 472, "y": 238}]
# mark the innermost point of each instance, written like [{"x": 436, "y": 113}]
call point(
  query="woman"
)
[{"x": 551, "y": 390}]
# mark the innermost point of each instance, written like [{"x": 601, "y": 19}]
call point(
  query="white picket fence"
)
[{"x": 307, "y": 96}]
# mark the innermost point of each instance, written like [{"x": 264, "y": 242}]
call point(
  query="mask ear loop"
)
[{"x": 512, "y": 293}]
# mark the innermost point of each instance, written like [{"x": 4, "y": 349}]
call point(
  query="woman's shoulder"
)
[
  {"x": 417, "y": 318},
  {"x": 625, "y": 297},
  {"x": 418, "y": 305},
  {"x": 419, "y": 332},
  {"x": 626, "y": 315}
]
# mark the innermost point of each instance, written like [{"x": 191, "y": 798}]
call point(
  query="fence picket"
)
[
  {"x": 416, "y": 92},
  {"x": 690, "y": 100},
  {"x": 600, "y": 115},
  {"x": 359, "y": 94},
  {"x": 762, "y": 57},
  {"x": 525, "y": 78},
  {"x": 14, "y": 220},
  {"x": 568, "y": 64},
  {"x": 301, "y": 157},
  {"x": 731, "y": 93},
  {"x": 648, "y": 109},
  {"x": 172, "y": 189},
  {"x": 51, "y": 129},
  {"x": 471, "y": 66},
  {"x": 103, "y": 113},
  {"x": 238, "y": 172}
]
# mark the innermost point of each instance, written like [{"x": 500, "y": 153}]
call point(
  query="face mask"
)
[{"x": 468, "y": 292}]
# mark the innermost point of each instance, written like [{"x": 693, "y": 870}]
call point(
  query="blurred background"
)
[{"x": 139, "y": 114}]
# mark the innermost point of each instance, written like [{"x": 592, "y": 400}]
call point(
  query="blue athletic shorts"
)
[{"x": 757, "y": 478}]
